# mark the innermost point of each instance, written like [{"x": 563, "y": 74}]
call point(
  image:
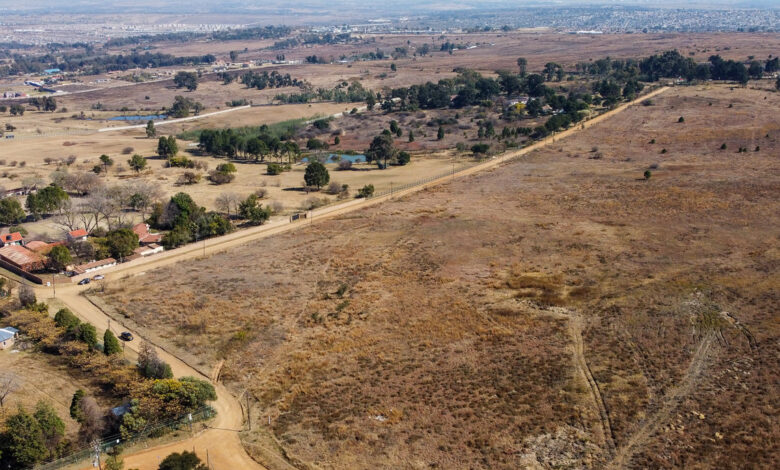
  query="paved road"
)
[{"x": 225, "y": 449}]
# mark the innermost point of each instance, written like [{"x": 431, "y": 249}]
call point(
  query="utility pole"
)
[{"x": 248, "y": 412}]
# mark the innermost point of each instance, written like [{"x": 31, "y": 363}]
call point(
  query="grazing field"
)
[{"x": 565, "y": 310}]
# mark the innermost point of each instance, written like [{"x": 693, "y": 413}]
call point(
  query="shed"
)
[
  {"x": 22, "y": 258},
  {"x": 78, "y": 235}
]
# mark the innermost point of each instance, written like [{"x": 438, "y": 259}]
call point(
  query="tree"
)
[
  {"x": 777, "y": 83},
  {"x": 17, "y": 110},
  {"x": 370, "y": 101},
  {"x": 480, "y": 149},
  {"x": 381, "y": 148},
  {"x": 150, "y": 130},
  {"x": 110, "y": 344},
  {"x": 60, "y": 257},
  {"x": 137, "y": 162},
  {"x": 52, "y": 427},
  {"x": 86, "y": 333},
  {"x": 150, "y": 365},
  {"x": 227, "y": 201},
  {"x": 404, "y": 158},
  {"x": 23, "y": 441},
  {"x": 251, "y": 210},
  {"x": 167, "y": 147},
  {"x": 188, "y": 80},
  {"x": 648, "y": 174},
  {"x": 75, "y": 405},
  {"x": 121, "y": 242},
  {"x": 27, "y": 296},
  {"x": 9, "y": 383},
  {"x": 681, "y": 120},
  {"x": 440, "y": 133},
  {"x": 106, "y": 161},
  {"x": 411, "y": 135},
  {"x": 316, "y": 175},
  {"x": 184, "y": 461},
  {"x": 46, "y": 200},
  {"x": 11, "y": 211},
  {"x": 755, "y": 70},
  {"x": 522, "y": 64},
  {"x": 64, "y": 318}
]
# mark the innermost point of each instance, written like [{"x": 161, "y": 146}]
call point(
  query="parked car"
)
[
  {"x": 126, "y": 336},
  {"x": 84, "y": 281},
  {"x": 99, "y": 277}
]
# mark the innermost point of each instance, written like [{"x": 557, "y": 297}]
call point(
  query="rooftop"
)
[{"x": 20, "y": 255}]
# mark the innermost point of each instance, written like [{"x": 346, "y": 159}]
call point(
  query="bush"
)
[
  {"x": 333, "y": 188},
  {"x": 344, "y": 165},
  {"x": 218, "y": 177},
  {"x": 274, "y": 169},
  {"x": 366, "y": 191},
  {"x": 189, "y": 177}
]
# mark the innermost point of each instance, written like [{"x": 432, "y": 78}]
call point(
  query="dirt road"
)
[{"x": 222, "y": 441}]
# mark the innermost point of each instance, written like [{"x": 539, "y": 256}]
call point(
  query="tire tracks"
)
[{"x": 669, "y": 403}]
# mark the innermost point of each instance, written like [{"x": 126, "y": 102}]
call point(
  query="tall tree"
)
[
  {"x": 60, "y": 257},
  {"x": 316, "y": 175},
  {"x": 23, "y": 441},
  {"x": 188, "y": 80},
  {"x": 106, "y": 161},
  {"x": 110, "y": 344},
  {"x": 522, "y": 64},
  {"x": 11, "y": 211},
  {"x": 150, "y": 129}
]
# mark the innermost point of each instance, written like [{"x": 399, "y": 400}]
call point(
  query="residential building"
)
[
  {"x": 8, "y": 337},
  {"x": 144, "y": 236},
  {"x": 14, "y": 238},
  {"x": 79, "y": 235},
  {"x": 22, "y": 258},
  {"x": 93, "y": 266}
]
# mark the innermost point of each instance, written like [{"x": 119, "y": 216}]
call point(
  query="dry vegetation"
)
[{"x": 442, "y": 329}]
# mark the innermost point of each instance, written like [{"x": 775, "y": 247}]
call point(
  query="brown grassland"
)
[{"x": 557, "y": 312}]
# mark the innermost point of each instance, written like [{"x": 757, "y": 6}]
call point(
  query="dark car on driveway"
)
[
  {"x": 84, "y": 281},
  {"x": 126, "y": 336}
]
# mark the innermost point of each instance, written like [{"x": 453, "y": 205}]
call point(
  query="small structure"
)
[
  {"x": 148, "y": 250},
  {"x": 8, "y": 239},
  {"x": 8, "y": 337},
  {"x": 22, "y": 258},
  {"x": 37, "y": 246},
  {"x": 93, "y": 266},
  {"x": 144, "y": 236},
  {"x": 79, "y": 235}
]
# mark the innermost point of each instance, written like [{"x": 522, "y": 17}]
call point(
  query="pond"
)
[
  {"x": 153, "y": 117},
  {"x": 336, "y": 158}
]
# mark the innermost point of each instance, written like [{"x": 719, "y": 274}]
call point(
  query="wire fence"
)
[{"x": 153, "y": 431}]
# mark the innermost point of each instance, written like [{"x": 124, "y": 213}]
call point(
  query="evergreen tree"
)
[{"x": 110, "y": 344}]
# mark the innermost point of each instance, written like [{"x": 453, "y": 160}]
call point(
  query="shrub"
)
[
  {"x": 274, "y": 169},
  {"x": 218, "y": 177},
  {"x": 344, "y": 165},
  {"x": 366, "y": 191}
]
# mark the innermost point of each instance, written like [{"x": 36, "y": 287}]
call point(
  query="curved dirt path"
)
[
  {"x": 670, "y": 402},
  {"x": 222, "y": 440}
]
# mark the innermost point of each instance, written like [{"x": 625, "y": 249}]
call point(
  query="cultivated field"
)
[{"x": 560, "y": 311}]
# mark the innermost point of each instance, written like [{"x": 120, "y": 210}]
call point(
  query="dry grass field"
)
[{"x": 557, "y": 312}]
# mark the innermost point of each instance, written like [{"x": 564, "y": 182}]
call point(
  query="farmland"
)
[{"x": 466, "y": 326}]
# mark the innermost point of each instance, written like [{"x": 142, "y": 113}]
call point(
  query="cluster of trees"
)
[
  {"x": 382, "y": 150},
  {"x": 673, "y": 64},
  {"x": 101, "y": 63},
  {"x": 264, "y": 80},
  {"x": 254, "y": 143},
  {"x": 260, "y": 32},
  {"x": 343, "y": 93},
  {"x": 311, "y": 38},
  {"x": 47, "y": 103},
  {"x": 182, "y": 107},
  {"x": 30, "y": 438},
  {"x": 153, "y": 396},
  {"x": 187, "y": 221},
  {"x": 188, "y": 80}
]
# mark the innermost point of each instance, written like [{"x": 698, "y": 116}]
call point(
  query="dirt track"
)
[{"x": 222, "y": 441}]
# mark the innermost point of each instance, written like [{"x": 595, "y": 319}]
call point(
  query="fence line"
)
[{"x": 88, "y": 451}]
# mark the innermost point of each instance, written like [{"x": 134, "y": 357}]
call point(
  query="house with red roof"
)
[
  {"x": 144, "y": 237},
  {"x": 79, "y": 235},
  {"x": 15, "y": 238}
]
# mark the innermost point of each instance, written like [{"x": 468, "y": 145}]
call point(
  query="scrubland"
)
[{"x": 561, "y": 311}]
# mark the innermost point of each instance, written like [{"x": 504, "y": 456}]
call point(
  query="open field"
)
[{"x": 560, "y": 310}]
